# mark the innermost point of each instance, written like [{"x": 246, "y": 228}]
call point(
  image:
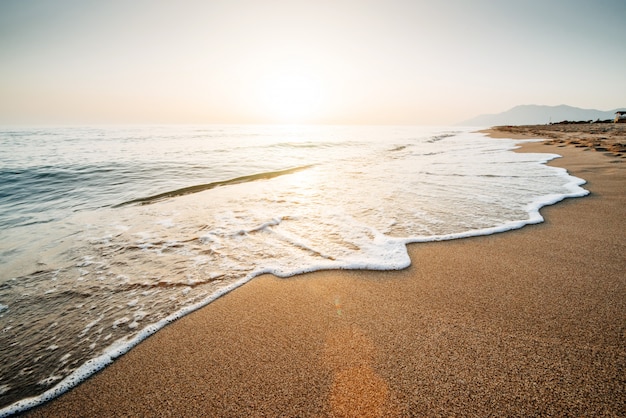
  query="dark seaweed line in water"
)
[{"x": 201, "y": 187}]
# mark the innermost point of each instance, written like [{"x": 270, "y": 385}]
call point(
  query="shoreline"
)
[
  {"x": 528, "y": 322},
  {"x": 608, "y": 138}
]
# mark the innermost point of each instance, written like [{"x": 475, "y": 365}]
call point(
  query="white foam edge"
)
[
  {"x": 115, "y": 350},
  {"x": 122, "y": 346},
  {"x": 533, "y": 209}
]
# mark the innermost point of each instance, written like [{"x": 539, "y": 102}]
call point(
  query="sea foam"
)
[{"x": 237, "y": 202}]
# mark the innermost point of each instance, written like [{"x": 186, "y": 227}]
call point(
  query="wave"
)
[
  {"x": 201, "y": 187},
  {"x": 439, "y": 137},
  {"x": 127, "y": 273}
]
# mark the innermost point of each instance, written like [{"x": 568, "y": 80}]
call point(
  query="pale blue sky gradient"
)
[{"x": 391, "y": 61}]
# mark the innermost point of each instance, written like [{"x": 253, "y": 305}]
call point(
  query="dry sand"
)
[
  {"x": 525, "y": 323},
  {"x": 609, "y": 138}
]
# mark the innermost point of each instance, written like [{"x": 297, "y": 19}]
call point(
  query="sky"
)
[{"x": 292, "y": 61}]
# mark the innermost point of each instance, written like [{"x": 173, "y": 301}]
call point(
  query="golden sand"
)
[
  {"x": 524, "y": 323},
  {"x": 609, "y": 138}
]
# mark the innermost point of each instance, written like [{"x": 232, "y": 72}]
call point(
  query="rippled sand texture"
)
[
  {"x": 523, "y": 323},
  {"x": 609, "y": 138}
]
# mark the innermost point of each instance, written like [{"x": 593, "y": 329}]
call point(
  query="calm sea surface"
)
[{"x": 109, "y": 233}]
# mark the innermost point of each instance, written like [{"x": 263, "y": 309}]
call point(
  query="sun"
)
[{"x": 290, "y": 96}]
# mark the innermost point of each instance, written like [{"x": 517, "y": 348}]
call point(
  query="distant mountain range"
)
[{"x": 539, "y": 115}]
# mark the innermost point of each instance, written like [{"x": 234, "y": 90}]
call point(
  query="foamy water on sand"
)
[{"x": 107, "y": 234}]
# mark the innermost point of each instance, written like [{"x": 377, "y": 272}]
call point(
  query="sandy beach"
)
[
  {"x": 524, "y": 323},
  {"x": 609, "y": 138}
]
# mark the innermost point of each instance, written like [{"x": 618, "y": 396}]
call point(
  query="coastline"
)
[
  {"x": 528, "y": 322},
  {"x": 608, "y": 138}
]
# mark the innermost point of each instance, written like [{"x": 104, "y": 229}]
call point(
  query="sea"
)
[{"x": 109, "y": 233}]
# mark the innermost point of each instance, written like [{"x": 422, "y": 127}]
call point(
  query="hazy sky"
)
[{"x": 255, "y": 61}]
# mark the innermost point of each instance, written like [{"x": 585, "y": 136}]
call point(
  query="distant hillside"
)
[{"x": 536, "y": 115}]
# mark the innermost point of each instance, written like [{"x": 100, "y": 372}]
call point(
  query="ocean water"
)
[{"x": 109, "y": 233}]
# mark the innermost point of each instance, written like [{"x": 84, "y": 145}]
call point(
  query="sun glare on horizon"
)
[{"x": 290, "y": 96}]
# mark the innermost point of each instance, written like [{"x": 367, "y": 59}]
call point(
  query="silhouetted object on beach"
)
[{"x": 568, "y": 122}]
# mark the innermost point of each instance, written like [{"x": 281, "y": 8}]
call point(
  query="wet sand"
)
[{"x": 525, "y": 323}]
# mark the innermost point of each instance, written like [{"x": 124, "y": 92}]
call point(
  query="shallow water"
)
[{"x": 107, "y": 234}]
